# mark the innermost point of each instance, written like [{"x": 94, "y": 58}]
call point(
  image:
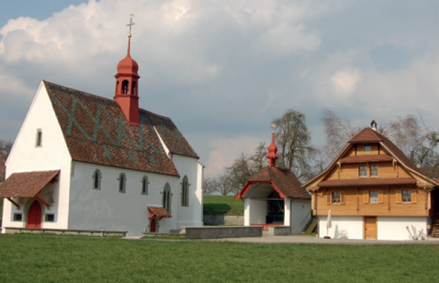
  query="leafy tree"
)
[{"x": 294, "y": 144}]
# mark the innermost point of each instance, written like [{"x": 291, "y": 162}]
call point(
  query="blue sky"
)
[{"x": 222, "y": 70}]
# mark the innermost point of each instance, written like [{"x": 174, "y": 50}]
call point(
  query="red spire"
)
[
  {"x": 127, "y": 85},
  {"x": 272, "y": 152}
]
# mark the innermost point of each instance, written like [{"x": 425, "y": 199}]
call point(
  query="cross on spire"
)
[{"x": 131, "y": 24}]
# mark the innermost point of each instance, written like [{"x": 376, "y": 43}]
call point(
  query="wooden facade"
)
[{"x": 372, "y": 178}]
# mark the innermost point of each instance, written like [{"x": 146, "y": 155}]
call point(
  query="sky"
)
[{"x": 223, "y": 70}]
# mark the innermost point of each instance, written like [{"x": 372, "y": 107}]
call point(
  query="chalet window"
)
[
  {"x": 374, "y": 171},
  {"x": 337, "y": 197},
  {"x": 39, "y": 138},
  {"x": 367, "y": 148},
  {"x": 145, "y": 184},
  {"x": 373, "y": 196},
  {"x": 50, "y": 218},
  {"x": 97, "y": 179},
  {"x": 17, "y": 217},
  {"x": 185, "y": 192},
  {"x": 362, "y": 171},
  {"x": 166, "y": 202},
  {"x": 122, "y": 182},
  {"x": 406, "y": 196}
]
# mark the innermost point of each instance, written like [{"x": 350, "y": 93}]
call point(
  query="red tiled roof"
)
[
  {"x": 96, "y": 131},
  {"x": 366, "y": 135},
  {"x": 158, "y": 211},
  {"x": 27, "y": 184},
  {"x": 283, "y": 179},
  {"x": 366, "y": 158},
  {"x": 368, "y": 182}
]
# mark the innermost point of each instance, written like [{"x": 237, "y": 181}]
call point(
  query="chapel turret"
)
[{"x": 126, "y": 94}]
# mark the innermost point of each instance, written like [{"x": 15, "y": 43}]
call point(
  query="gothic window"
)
[
  {"x": 145, "y": 184},
  {"x": 167, "y": 198},
  {"x": 122, "y": 182},
  {"x": 97, "y": 179},
  {"x": 185, "y": 192}
]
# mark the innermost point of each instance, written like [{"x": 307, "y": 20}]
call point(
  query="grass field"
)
[
  {"x": 222, "y": 205},
  {"x": 50, "y": 258}
]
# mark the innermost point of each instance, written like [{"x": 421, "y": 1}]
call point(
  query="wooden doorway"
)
[
  {"x": 152, "y": 226},
  {"x": 34, "y": 215},
  {"x": 370, "y": 227}
]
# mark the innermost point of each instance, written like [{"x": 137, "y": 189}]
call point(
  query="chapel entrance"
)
[
  {"x": 152, "y": 226},
  {"x": 370, "y": 227},
  {"x": 34, "y": 215},
  {"x": 275, "y": 209}
]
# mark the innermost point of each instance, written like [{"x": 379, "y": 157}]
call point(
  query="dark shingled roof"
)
[
  {"x": 283, "y": 179},
  {"x": 366, "y": 158},
  {"x": 96, "y": 131},
  {"x": 27, "y": 184}
]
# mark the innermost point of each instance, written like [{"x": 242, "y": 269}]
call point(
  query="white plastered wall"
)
[
  {"x": 300, "y": 214},
  {"x": 25, "y": 156},
  {"x": 191, "y": 215},
  {"x": 257, "y": 211},
  {"x": 345, "y": 227},
  {"x": 395, "y": 228},
  {"x": 109, "y": 209}
]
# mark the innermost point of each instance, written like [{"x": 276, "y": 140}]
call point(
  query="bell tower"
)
[{"x": 126, "y": 94}]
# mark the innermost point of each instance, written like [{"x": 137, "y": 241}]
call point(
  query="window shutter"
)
[
  {"x": 366, "y": 196},
  {"x": 414, "y": 196},
  {"x": 398, "y": 196},
  {"x": 328, "y": 197},
  {"x": 380, "y": 196},
  {"x": 341, "y": 197}
]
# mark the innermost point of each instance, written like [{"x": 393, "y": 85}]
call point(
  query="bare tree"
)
[
  {"x": 5, "y": 148},
  {"x": 208, "y": 186},
  {"x": 294, "y": 144}
]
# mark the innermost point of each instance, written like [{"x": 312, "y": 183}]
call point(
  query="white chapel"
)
[{"x": 85, "y": 162}]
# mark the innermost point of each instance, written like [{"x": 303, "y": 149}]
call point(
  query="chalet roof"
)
[
  {"x": 283, "y": 180},
  {"x": 96, "y": 131},
  {"x": 366, "y": 158},
  {"x": 26, "y": 184},
  {"x": 368, "y": 136},
  {"x": 368, "y": 182}
]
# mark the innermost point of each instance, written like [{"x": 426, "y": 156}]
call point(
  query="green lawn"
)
[
  {"x": 50, "y": 258},
  {"x": 222, "y": 205}
]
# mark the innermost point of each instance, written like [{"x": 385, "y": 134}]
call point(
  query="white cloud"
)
[{"x": 345, "y": 81}]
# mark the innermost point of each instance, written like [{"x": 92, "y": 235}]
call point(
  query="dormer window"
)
[
  {"x": 367, "y": 148},
  {"x": 39, "y": 138}
]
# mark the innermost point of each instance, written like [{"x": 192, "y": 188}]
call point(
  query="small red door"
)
[
  {"x": 34, "y": 215},
  {"x": 152, "y": 226}
]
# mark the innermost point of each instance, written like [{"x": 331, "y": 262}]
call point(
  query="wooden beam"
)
[{"x": 14, "y": 203}]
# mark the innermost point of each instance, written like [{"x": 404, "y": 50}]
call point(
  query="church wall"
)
[
  {"x": 109, "y": 209},
  {"x": 191, "y": 215},
  {"x": 53, "y": 154},
  {"x": 300, "y": 214}
]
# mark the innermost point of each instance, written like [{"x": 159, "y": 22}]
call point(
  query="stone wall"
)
[
  {"x": 223, "y": 232},
  {"x": 228, "y": 219}
]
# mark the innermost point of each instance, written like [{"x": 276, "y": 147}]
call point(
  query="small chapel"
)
[
  {"x": 85, "y": 162},
  {"x": 274, "y": 198}
]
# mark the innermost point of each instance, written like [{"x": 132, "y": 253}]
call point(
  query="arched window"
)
[
  {"x": 97, "y": 179},
  {"x": 125, "y": 87},
  {"x": 122, "y": 181},
  {"x": 185, "y": 192},
  {"x": 167, "y": 198},
  {"x": 145, "y": 184}
]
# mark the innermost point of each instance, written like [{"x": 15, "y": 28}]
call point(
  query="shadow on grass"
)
[{"x": 216, "y": 208}]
